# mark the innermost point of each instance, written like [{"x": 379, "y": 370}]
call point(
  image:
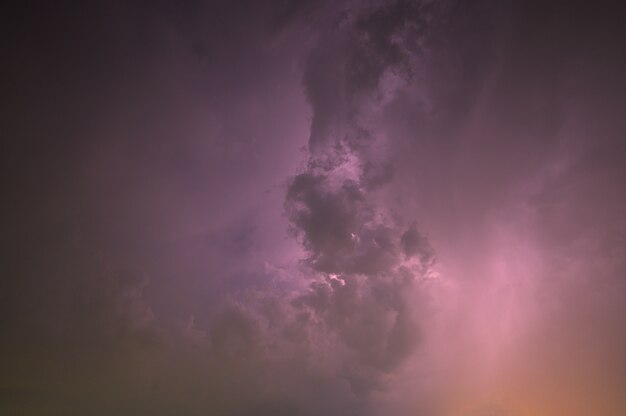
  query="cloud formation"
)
[{"x": 301, "y": 208}]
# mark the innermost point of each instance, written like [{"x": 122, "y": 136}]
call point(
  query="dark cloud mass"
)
[{"x": 286, "y": 208}]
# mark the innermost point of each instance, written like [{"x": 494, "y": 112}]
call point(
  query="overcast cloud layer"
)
[{"x": 290, "y": 208}]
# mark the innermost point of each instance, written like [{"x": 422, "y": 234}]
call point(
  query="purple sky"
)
[{"x": 302, "y": 208}]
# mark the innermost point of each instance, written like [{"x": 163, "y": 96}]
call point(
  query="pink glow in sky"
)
[{"x": 293, "y": 208}]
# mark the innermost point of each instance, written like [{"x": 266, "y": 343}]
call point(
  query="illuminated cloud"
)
[{"x": 314, "y": 207}]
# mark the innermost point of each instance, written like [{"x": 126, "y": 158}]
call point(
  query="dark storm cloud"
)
[
  {"x": 125, "y": 169},
  {"x": 366, "y": 296},
  {"x": 148, "y": 159},
  {"x": 348, "y": 62},
  {"x": 329, "y": 220}
]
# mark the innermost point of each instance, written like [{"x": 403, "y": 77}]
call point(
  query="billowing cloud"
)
[{"x": 300, "y": 208}]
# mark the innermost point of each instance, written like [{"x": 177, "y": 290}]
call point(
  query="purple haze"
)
[{"x": 306, "y": 207}]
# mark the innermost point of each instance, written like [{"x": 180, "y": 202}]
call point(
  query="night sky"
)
[{"x": 303, "y": 208}]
